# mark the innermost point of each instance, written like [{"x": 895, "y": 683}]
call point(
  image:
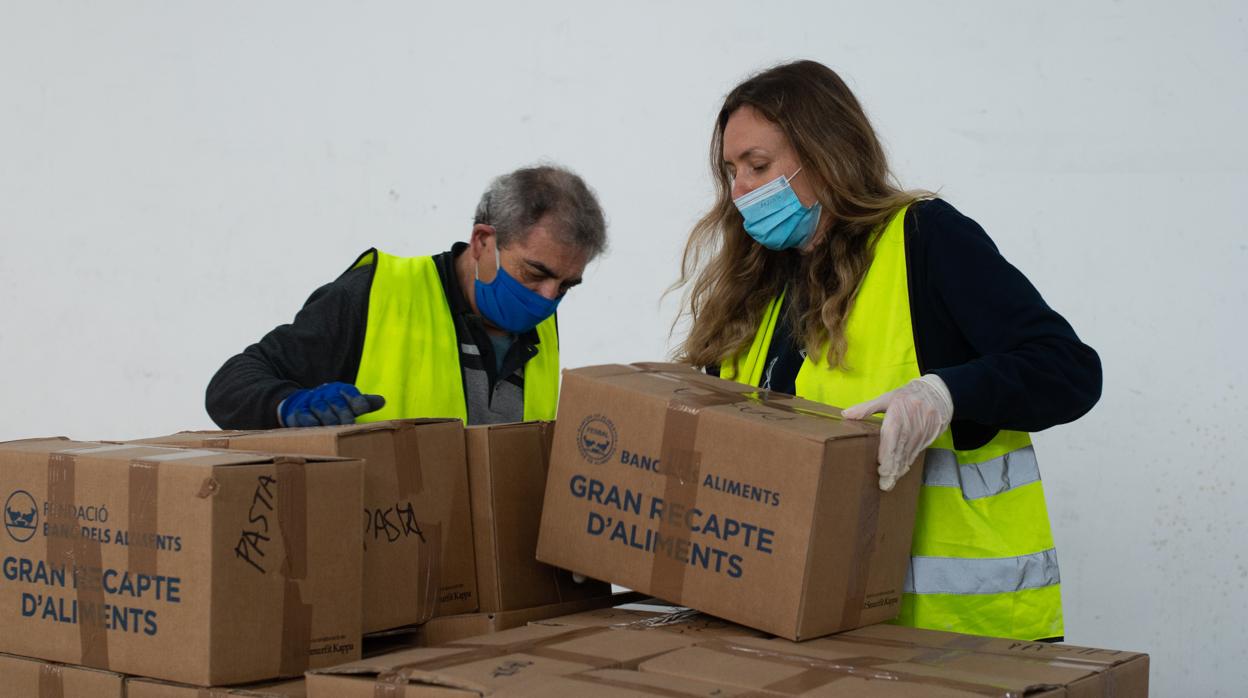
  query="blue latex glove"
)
[{"x": 326, "y": 405}]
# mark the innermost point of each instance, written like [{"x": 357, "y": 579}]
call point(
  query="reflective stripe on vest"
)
[
  {"x": 978, "y": 480},
  {"x": 982, "y": 561},
  {"x": 960, "y": 575},
  {"x": 411, "y": 350}
]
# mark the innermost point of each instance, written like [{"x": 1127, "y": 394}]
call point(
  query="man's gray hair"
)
[{"x": 515, "y": 202}]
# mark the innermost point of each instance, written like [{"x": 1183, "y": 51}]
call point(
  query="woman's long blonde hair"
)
[{"x": 734, "y": 278}]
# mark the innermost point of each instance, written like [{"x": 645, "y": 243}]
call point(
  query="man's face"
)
[{"x": 538, "y": 260}]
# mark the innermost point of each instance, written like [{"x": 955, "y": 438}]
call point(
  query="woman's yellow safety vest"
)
[
  {"x": 411, "y": 351},
  {"x": 982, "y": 561}
]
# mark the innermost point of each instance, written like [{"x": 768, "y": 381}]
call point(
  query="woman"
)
[{"x": 814, "y": 274}]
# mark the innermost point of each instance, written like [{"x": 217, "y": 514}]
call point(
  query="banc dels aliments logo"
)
[
  {"x": 596, "y": 438},
  {"x": 21, "y": 516}
]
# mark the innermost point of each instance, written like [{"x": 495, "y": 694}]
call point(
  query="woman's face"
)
[{"x": 756, "y": 151}]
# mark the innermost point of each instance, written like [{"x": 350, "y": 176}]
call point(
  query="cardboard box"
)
[
  {"x": 201, "y": 566},
  {"x": 651, "y": 614},
  {"x": 755, "y": 507},
  {"x": 192, "y": 439},
  {"x": 444, "y": 629},
  {"x": 507, "y": 466},
  {"x": 151, "y": 688},
  {"x": 624, "y": 683},
  {"x": 21, "y": 677},
  {"x": 861, "y": 666},
  {"x": 1118, "y": 672},
  {"x": 490, "y": 663},
  {"x": 418, "y": 548}
]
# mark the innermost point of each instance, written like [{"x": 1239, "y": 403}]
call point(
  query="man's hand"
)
[
  {"x": 326, "y": 405},
  {"x": 915, "y": 414}
]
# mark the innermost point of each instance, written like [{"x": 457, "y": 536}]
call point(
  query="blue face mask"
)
[
  {"x": 510, "y": 304},
  {"x": 775, "y": 217}
]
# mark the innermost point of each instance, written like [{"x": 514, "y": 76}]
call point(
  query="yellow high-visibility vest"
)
[
  {"x": 411, "y": 351},
  {"x": 983, "y": 560}
]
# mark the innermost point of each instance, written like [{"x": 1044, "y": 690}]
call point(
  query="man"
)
[{"x": 470, "y": 333}]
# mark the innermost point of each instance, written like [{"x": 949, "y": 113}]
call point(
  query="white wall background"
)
[{"x": 176, "y": 177}]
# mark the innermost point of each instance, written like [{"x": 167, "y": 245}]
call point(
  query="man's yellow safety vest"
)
[
  {"x": 983, "y": 560},
  {"x": 411, "y": 351}
]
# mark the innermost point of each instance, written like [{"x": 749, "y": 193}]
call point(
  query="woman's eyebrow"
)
[{"x": 747, "y": 153}]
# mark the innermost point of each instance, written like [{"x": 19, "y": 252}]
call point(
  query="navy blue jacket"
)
[{"x": 1009, "y": 360}]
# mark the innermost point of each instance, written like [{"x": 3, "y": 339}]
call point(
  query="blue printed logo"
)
[
  {"x": 596, "y": 438},
  {"x": 21, "y": 516}
]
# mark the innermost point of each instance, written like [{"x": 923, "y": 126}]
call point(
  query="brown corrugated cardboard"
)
[
  {"x": 193, "y": 439},
  {"x": 151, "y": 688},
  {"x": 654, "y": 615},
  {"x": 1126, "y": 673},
  {"x": 489, "y": 663},
  {"x": 416, "y": 509},
  {"x": 444, "y": 629},
  {"x": 755, "y": 507},
  {"x": 21, "y": 677},
  {"x": 507, "y": 466},
  {"x": 624, "y": 683},
  {"x": 845, "y": 666},
  {"x": 202, "y": 566},
  {"x": 416, "y": 502}
]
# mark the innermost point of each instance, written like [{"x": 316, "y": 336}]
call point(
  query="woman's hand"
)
[{"x": 914, "y": 415}]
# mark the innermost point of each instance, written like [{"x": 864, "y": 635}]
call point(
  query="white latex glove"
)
[{"x": 914, "y": 415}]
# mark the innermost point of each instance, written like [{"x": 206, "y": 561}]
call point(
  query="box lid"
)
[
  {"x": 723, "y": 399},
  {"x": 129, "y": 452},
  {"x": 625, "y": 683},
  {"x": 885, "y": 634},
  {"x": 475, "y": 663},
  {"x": 138, "y": 687},
  {"x": 27, "y": 676},
  {"x": 654, "y": 616},
  {"x": 196, "y": 439},
  {"x": 845, "y": 662},
  {"x": 509, "y": 426},
  {"x": 347, "y": 429}
]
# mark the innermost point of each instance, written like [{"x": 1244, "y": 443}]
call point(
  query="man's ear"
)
[{"x": 483, "y": 237}]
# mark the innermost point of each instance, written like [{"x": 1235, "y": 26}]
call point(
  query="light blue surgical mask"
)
[
  {"x": 775, "y": 217},
  {"x": 510, "y": 304}
]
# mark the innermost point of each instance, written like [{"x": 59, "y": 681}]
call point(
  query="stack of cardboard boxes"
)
[
  {"x": 653, "y": 650},
  {"x": 415, "y": 517},
  {"x": 197, "y": 566},
  {"x": 417, "y": 557}
]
